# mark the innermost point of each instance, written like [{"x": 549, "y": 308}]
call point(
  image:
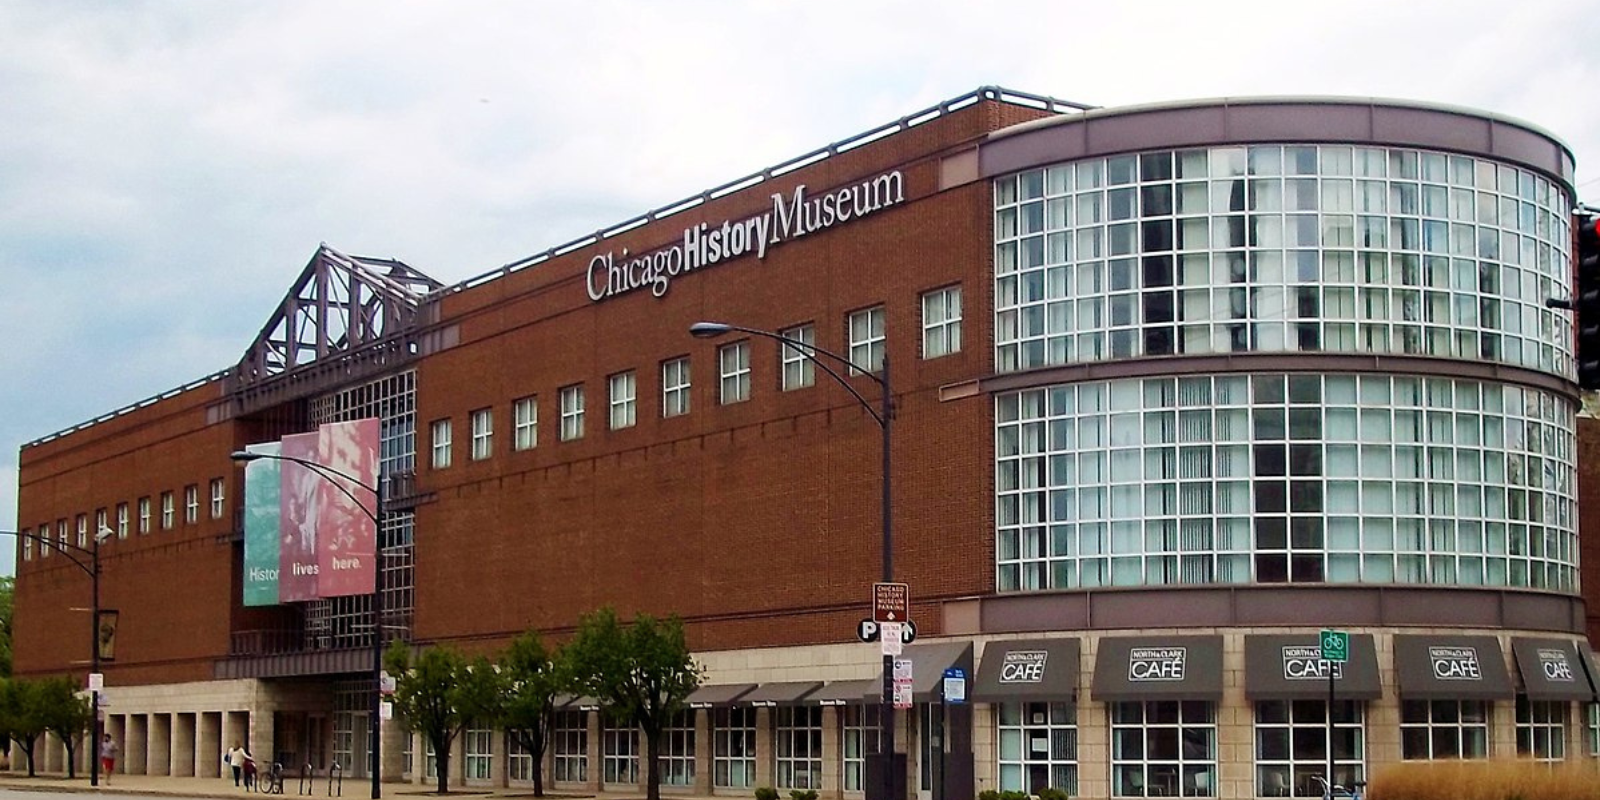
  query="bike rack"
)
[
  {"x": 336, "y": 775},
  {"x": 308, "y": 779}
]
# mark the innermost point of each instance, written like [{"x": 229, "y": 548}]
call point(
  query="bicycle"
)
[{"x": 1338, "y": 790}]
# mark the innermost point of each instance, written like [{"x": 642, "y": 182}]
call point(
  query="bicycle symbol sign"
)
[{"x": 1335, "y": 645}]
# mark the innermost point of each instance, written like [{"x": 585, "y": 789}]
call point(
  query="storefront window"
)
[
  {"x": 799, "y": 747},
  {"x": 621, "y": 757},
  {"x": 860, "y": 724},
  {"x": 1292, "y": 746},
  {"x": 571, "y": 739},
  {"x": 1435, "y": 729},
  {"x": 733, "y": 734},
  {"x": 677, "y": 751},
  {"x": 479, "y": 764},
  {"x": 1164, "y": 748},
  {"x": 1038, "y": 747},
  {"x": 1541, "y": 729}
]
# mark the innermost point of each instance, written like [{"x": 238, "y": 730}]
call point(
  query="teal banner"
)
[{"x": 261, "y": 514}]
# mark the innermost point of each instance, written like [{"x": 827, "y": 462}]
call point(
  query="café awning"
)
[
  {"x": 1290, "y": 667},
  {"x": 1158, "y": 668},
  {"x": 779, "y": 694},
  {"x": 720, "y": 694},
  {"x": 1552, "y": 669},
  {"x": 1446, "y": 667},
  {"x": 1028, "y": 670}
]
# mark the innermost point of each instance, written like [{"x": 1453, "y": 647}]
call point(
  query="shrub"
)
[
  {"x": 1484, "y": 780},
  {"x": 802, "y": 794},
  {"x": 988, "y": 794},
  {"x": 1015, "y": 795},
  {"x": 766, "y": 793},
  {"x": 1052, "y": 793}
]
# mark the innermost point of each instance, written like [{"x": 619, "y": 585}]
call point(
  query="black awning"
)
[
  {"x": 1158, "y": 668},
  {"x": 1552, "y": 669},
  {"x": 1028, "y": 670},
  {"x": 1591, "y": 666},
  {"x": 928, "y": 663},
  {"x": 1451, "y": 668},
  {"x": 779, "y": 694},
  {"x": 1290, "y": 667},
  {"x": 717, "y": 695},
  {"x": 840, "y": 693}
]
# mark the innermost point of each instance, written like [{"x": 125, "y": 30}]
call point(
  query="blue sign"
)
[{"x": 955, "y": 685}]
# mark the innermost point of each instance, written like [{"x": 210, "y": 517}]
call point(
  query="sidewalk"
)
[{"x": 359, "y": 789}]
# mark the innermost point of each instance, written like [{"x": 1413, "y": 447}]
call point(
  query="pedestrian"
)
[
  {"x": 108, "y": 756},
  {"x": 236, "y": 760},
  {"x": 249, "y": 771}
]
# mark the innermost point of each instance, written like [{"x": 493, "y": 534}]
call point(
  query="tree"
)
[
  {"x": 65, "y": 713},
  {"x": 441, "y": 695},
  {"x": 8, "y": 586},
  {"x": 532, "y": 677},
  {"x": 641, "y": 674},
  {"x": 20, "y": 718}
]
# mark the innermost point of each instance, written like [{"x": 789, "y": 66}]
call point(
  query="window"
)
[
  {"x": 867, "y": 339},
  {"x": 1438, "y": 729},
  {"x": 797, "y": 371},
  {"x": 572, "y": 412},
  {"x": 733, "y": 757},
  {"x": 735, "y": 361},
  {"x": 482, "y": 434},
  {"x": 1164, "y": 748},
  {"x": 217, "y": 490},
  {"x": 1541, "y": 729},
  {"x": 941, "y": 322},
  {"x": 168, "y": 510},
  {"x": 860, "y": 727},
  {"x": 1292, "y": 746},
  {"x": 122, "y": 520},
  {"x": 441, "y": 443},
  {"x": 27, "y": 547},
  {"x": 677, "y": 750},
  {"x": 191, "y": 504},
  {"x": 519, "y": 762},
  {"x": 570, "y": 734},
  {"x": 525, "y": 423},
  {"x": 61, "y": 535},
  {"x": 83, "y": 530},
  {"x": 480, "y": 754},
  {"x": 675, "y": 387},
  {"x": 144, "y": 515},
  {"x": 45, "y": 543},
  {"x": 430, "y": 759},
  {"x": 1038, "y": 747},
  {"x": 799, "y": 747},
  {"x": 100, "y": 522},
  {"x": 624, "y": 400},
  {"x": 620, "y": 760},
  {"x": 1594, "y": 727}
]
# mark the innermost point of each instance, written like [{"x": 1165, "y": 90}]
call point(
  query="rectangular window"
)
[
  {"x": 572, "y": 412},
  {"x": 525, "y": 423},
  {"x": 570, "y": 744},
  {"x": 218, "y": 488},
  {"x": 1038, "y": 747},
  {"x": 677, "y": 750},
  {"x": 519, "y": 762},
  {"x": 430, "y": 759},
  {"x": 1541, "y": 729},
  {"x": 733, "y": 738},
  {"x": 620, "y": 759},
  {"x": 61, "y": 535},
  {"x": 441, "y": 443},
  {"x": 1292, "y": 746},
  {"x": 860, "y": 727},
  {"x": 735, "y": 361},
  {"x": 27, "y": 548},
  {"x": 624, "y": 400},
  {"x": 1594, "y": 728},
  {"x": 191, "y": 504},
  {"x": 867, "y": 339},
  {"x": 482, "y": 434},
  {"x": 1440, "y": 729},
  {"x": 144, "y": 515},
  {"x": 1166, "y": 746},
  {"x": 480, "y": 754},
  {"x": 797, "y": 370},
  {"x": 168, "y": 511},
  {"x": 799, "y": 747},
  {"x": 83, "y": 530},
  {"x": 675, "y": 387},
  {"x": 122, "y": 520},
  {"x": 100, "y": 523},
  {"x": 941, "y": 322}
]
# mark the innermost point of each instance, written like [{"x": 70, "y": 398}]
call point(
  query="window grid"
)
[
  {"x": 122, "y": 520},
  {"x": 733, "y": 757},
  {"x": 734, "y": 360},
  {"x": 525, "y": 423},
  {"x": 621, "y": 757},
  {"x": 100, "y": 522},
  {"x": 144, "y": 515},
  {"x": 867, "y": 339},
  {"x": 1593, "y": 710},
  {"x": 1541, "y": 729},
  {"x": 1164, "y": 748},
  {"x": 83, "y": 530},
  {"x": 479, "y": 747},
  {"x": 675, "y": 387},
  {"x": 1281, "y": 248},
  {"x": 941, "y": 322},
  {"x": 191, "y": 504},
  {"x": 676, "y": 754},
  {"x": 569, "y": 735},
  {"x": 519, "y": 762},
  {"x": 798, "y": 747},
  {"x": 1444, "y": 729},
  {"x": 860, "y": 728},
  {"x": 441, "y": 435},
  {"x": 624, "y": 400},
  {"x": 795, "y": 366},
  {"x": 61, "y": 536},
  {"x": 1271, "y": 478},
  {"x": 218, "y": 492},
  {"x": 27, "y": 548},
  {"x": 1292, "y": 746},
  {"x": 571, "y": 412},
  {"x": 1038, "y": 746},
  {"x": 482, "y": 434},
  {"x": 167, "y": 511}
]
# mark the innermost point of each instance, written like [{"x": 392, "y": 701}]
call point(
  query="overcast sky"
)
[{"x": 167, "y": 168}]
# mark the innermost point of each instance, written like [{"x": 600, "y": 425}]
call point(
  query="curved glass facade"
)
[
  {"x": 1281, "y": 248},
  {"x": 1271, "y": 478}
]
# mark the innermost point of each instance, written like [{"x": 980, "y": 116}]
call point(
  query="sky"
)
[{"x": 168, "y": 168}]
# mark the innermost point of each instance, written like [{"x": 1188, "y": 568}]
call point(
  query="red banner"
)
[
  {"x": 297, "y": 558},
  {"x": 346, "y": 535}
]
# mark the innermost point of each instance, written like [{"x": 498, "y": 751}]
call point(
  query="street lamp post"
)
[
  {"x": 92, "y": 569},
  {"x": 883, "y": 415},
  {"x": 332, "y": 476}
]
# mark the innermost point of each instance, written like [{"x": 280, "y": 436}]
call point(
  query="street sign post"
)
[
  {"x": 1335, "y": 645},
  {"x": 890, "y": 602},
  {"x": 1335, "y": 650}
]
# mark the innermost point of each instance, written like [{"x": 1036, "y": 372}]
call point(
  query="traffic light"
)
[{"x": 1587, "y": 305}]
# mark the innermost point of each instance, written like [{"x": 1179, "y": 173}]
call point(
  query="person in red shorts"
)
[{"x": 108, "y": 756}]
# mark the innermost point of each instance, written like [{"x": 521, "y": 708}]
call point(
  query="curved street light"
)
[
  {"x": 883, "y": 415},
  {"x": 92, "y": 569},
  {"x": 338, "y": 479}
]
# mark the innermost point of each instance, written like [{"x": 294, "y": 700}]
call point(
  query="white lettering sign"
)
[
  {"x": 1555, "y": 665},
  {"x": 1156, "y": 663},
  {"x": 1455, "y": 663},
  {"x": 1023, "y": 666},
  {"x": 1304, "y": 663},
  {"x": 706, "y": 244}
]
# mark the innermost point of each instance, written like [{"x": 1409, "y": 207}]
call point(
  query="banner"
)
[
  {"x": 106, "y": 634},
  {"x": 347, "y": 538},
  {"x": 300, "y": 485},
  {"x": 261, "y": 516}
]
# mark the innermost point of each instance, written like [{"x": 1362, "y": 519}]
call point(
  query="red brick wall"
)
[{"x": 1589, "y": 520}]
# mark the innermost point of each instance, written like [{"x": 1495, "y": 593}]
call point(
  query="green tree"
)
[
  {"x": 441, "y": 695},
  {"x": 65, "y": 713},
  {"x": 532, "y": 677},
  {"x": 20, "y": 718},
  {"x": 8, "y": 586},
  {"x": 640, "y": 673}
]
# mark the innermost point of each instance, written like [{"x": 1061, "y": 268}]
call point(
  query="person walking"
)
[
  {"x": 236, "y": 760},
  {"x": 108, "y": 756}
]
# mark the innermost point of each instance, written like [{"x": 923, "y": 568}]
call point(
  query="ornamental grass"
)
[{"x": 1486, "y": 780}]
